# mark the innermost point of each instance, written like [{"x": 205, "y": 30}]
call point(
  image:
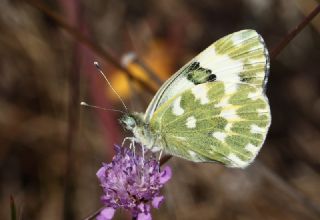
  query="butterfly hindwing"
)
[
  {"x": 215, "y": 121},
  {"x": 235, "y": 58}
]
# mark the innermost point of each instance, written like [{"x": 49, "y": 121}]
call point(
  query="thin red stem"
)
[{"x": 293, "y": 33}]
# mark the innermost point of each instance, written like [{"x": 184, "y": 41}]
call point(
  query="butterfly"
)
[{"x": 214, "y": 109}]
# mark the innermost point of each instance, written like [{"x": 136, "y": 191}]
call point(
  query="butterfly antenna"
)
[
  {"x": 109, "y": 84},
  {"x": 98, "y": 107}
]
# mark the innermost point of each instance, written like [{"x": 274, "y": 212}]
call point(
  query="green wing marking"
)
[{"x": 216, "y": 121}]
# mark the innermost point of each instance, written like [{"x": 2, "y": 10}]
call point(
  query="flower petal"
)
[
  {"x": 143, "y": 216},
  {"x": 117, "y": 148},
  {"x": 145, "y": 208},
  {"x": 101, "y": 173},
  {"x": 165, "y": 175},
  {"x": 156, "y": 202},
  {"x": 106, "y": 214}
]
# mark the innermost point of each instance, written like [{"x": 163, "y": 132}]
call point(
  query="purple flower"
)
[
  {"x": 132, "y": 182},
  {"x": 106, "y": 214}
]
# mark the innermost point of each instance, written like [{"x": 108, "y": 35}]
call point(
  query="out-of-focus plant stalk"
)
[
  {"x": 13, "y": 210},
  {"x": 75, "y": 33},
  {"x": 293, "y": 33},
  {"x": 73, "y": 116}
]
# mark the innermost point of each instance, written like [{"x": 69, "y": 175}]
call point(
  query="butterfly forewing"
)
[
  {"x": 238, "y": 57},
  {"x": 216, "y": 121}
]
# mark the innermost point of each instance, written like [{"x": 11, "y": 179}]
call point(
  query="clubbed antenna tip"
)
[
  {"x": 109, "y": 84},
  {"x": 98, "y": 107}
]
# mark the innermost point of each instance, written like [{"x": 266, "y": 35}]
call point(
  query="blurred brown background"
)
[{"x": 50, "y": 147}]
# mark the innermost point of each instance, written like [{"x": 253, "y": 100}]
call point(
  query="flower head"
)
[{"x": 132, "y": 182}]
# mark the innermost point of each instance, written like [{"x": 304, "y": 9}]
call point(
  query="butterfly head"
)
[{"x": 132, "y": 121}]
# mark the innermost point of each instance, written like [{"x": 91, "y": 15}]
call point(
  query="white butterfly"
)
[{"x": 214, "y": 108}]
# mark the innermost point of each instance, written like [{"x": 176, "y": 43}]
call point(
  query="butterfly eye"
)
[
  {"x": 131, "y": 122},
  {"x": 128, "y": 122}
]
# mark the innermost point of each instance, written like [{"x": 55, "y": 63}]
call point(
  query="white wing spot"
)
[
  {"x": 217, "y": 63},
  {"x": 236, "y": 161},
  {"x": 257, "y": 61},
  {"x": 192, "y": 153},
  {"x": 176, "y": 108},
  {"x": 191, "y": 122},
  {"x": 194, "y": 156},
  {"x": 231, "y": 88},
  {"x": 262, "y": 111},
  {"x": 181, "y": 138},
  {"x": 252, "y": 149},
  {"x": 256, "y": 129},
  {"x": 229, "y": 114},
  {"x": 254, "y": 95},
  {"x": 228, "y": 126},
  {"x": 236, "y": 38},
  {"x": 156, "y": 149},
  {"x": 200, "y": 92},
  {"x": 219, "y": 135},
  {"x": 223, "y": 102},
  {"x": 171, "y": 91}
]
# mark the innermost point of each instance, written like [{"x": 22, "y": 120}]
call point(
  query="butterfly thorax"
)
[{"x": 135, "y": 123}]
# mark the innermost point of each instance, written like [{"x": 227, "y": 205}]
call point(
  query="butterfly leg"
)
[
  {"x": 133, "y": 145},
  {"x": 142, "y": 147},
  {"x": 124, "y": 140},
  {"x": 156, "y": 149},
  {"x": 131, "y": 140},
  {"x": 160, "y": 154}
]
